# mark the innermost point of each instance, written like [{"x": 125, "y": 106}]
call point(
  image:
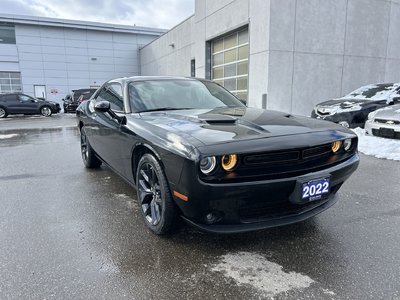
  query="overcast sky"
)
[{"x": 153, "y": 13}]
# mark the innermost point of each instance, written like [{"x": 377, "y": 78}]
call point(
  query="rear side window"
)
[
  {"x": 113, "y": 94},
  {"x": 8, "y": 98}
]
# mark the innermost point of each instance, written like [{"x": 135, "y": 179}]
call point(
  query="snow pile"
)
[
  {"x": 7, "y": 136},
  {"x": 378, "y": 147}
]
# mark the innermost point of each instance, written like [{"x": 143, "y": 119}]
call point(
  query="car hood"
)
[
  {"x": 388, "y": 113},
  {"x": 223, "y": 125},
  {"x": 344, "y": 105}
]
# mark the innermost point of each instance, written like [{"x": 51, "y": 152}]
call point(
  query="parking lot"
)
[{"x": 67, "y": 232}]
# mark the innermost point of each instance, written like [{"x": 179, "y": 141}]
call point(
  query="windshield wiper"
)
[{"x": 165, "y": 109}]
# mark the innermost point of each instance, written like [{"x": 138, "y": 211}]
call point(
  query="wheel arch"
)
[{"x": 138, "y": 151}]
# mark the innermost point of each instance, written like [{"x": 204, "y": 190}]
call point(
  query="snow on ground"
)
[
  {"x": 7, "y": 136},
  {"x": 378, "y": 147},
  {"x": 249, "y": 269}
]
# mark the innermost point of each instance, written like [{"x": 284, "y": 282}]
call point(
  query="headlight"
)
[
  {"x": 228, "y": 162},
  {"x": 208, "y": 164},
  {"x": 336, "y": 146},
  {"x": 371, "y": 115},
  {"x": 347, "y": 144}
]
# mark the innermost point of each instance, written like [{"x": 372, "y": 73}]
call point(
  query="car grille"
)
[
  {"x": 274, "y": 210},
  {"x": 323, "y": 113},
  {"x": 251, "y": 211},
  {"x": 383, "y": 132},
  {"x": 290, "y": 156},
  {"x": 282, "y": 164},
  {"x": 383, "y": 121}
]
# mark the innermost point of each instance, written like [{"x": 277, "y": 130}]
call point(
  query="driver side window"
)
[{"x": 113, "y": 94}]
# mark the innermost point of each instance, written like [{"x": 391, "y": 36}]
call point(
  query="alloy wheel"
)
[
  {"x": 344, "y": 124},
  {"x": 46, "y": 111},
  {"x": 2, "y": 113},
  {"x": 150, "y": 194},
  {"x": 84, "y": 146}
]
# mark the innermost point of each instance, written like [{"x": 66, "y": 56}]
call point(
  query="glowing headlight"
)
[
  {"x": 347, "y": 144},
  {"x": 208, "y": 164},
  {"x": 336, "y": 146},
  {"x": 228, "y": 162}
]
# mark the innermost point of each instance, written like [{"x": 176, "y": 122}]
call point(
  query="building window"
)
[
  {"x": 7, "y": 34},
  {"x": 193, "y": 68},
  {"x": 10, "y": 82},
  {"x": 230, "y": 62}
]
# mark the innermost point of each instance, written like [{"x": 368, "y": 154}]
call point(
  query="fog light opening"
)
[{"x": 213, "y": 217}]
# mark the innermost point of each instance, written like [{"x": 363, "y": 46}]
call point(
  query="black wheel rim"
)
[
  {"x": 150, "y": 194},
  {"x": 84, "y": 145}
]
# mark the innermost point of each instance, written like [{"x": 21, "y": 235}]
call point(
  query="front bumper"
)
[
  {"x": 56, "y": 109},
  {"x": 250, "y": 206},
  {"x": 372, "y": 128}
]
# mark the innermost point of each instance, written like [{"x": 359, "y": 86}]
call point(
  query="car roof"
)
[{"x": 147, "y": 78}]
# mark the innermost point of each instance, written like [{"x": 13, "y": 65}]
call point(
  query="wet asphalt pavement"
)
[{"x": 70, "y": 233}]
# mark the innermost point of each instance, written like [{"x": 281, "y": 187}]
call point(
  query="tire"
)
[
  {"x": 3, "y": 113},
  {"x": 89, "y": 157},
  {"x": 46, "y": 111},
  {"x": 155, "y": 199}
]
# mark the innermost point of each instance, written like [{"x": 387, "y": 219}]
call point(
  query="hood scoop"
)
[{"x": 214, "y": 119}]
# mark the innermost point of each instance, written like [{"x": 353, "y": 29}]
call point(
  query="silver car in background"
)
[{"x": 384, "y": 122}]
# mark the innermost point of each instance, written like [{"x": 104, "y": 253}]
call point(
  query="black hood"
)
[{"x": 222, "y": 125}]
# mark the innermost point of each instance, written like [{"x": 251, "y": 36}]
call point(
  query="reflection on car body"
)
[{"x": 194, "y": 150}]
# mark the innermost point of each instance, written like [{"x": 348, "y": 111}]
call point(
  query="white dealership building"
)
[
  {"x": 279, "y": 54},
  {"x": 48, "y": 58}
]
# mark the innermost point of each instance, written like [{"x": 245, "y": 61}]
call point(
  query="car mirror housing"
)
[
  {"x": 105, "y": 107},
  {"x": 102, "y": 106}
]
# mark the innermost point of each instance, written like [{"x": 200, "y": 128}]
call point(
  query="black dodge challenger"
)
[{"x": 193, "y": 150}]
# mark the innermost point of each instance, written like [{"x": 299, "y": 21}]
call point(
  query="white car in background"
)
[{"x": 384, "y": 122}]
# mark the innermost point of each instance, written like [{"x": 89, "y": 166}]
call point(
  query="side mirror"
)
[
  {"x": 105, "y": 107},
  {"x": 102, "y": 106}
]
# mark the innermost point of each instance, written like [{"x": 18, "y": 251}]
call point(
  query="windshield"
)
[
  {"x": 373, "y": 92},
  {"x": 179, "y": 94},
  {"x": 87, "y": 93}
]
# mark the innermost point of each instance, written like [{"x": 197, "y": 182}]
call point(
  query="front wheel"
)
[
  {"x": 89, "y": 157},
  {"x": 3, "y": 113},
  {"x": 157, "y": 207},
  {"x": 45, "y": 111}
]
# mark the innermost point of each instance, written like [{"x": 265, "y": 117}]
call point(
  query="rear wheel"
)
[
  {"x": 89, "y": 157},
  {"x": 45, "y": 111},
  {"x": 157, "y": 207},
  {"x": 3, "y": 113}
]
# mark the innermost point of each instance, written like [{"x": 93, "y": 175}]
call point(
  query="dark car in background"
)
[
  {"x": 17, "y": 103},
  {"x": 194, "y": 150},
  {"x": 72, "y": 101},
  {"x": 352, "y": 110}
]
